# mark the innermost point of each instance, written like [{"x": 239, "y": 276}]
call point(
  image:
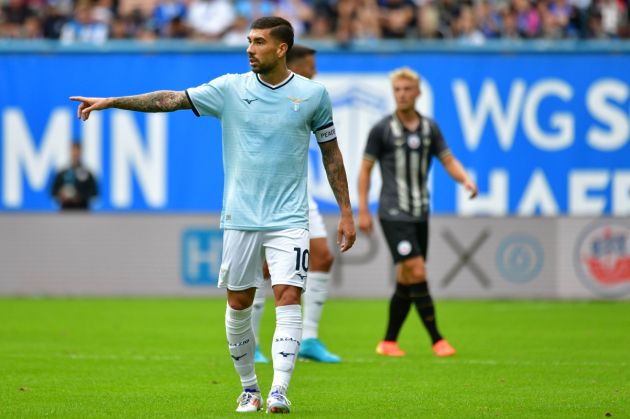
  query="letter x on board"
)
[{"x": 465, "y": 258}]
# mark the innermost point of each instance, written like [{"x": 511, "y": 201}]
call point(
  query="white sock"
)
[
  {"x": 314, "y": 299},
  {"x": 242, "y": 344},
  {"x": 258, "y": 308},
  {"x": 286, "y": 343}
]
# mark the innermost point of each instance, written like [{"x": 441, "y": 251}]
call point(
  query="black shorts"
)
[{"x": 406, "y": 239}]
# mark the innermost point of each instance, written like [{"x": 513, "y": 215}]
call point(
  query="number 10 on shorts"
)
[{"x": 301, "y": 259}]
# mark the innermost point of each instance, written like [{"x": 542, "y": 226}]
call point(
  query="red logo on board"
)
[{"x": 603, "y": 256}]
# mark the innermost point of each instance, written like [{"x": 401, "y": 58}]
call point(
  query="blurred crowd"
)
[{"x": 343, "y": 21}]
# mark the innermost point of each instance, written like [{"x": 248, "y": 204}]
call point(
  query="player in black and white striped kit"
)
[{"x": 404, "y": 144}]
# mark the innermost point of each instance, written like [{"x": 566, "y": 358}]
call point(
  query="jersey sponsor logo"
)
[
  {"x": 249, "y": 101},
  {"x": 602, "y": 259},
  {"x": 520, "y": 258},
  {"x": 413, "y": 141},
  {"x": 404, "y": 248}
]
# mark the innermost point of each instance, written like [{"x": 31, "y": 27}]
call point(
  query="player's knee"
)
[
  {"x": 238, "y": 305},
  {"x": 327, "y": 261},
  {"x": 419, "y": 277},
  {"x": 414, "y": 272},
  {"x": 321, "y": 261},
  {"x": 287, "y": 295},
  {"x": 240, "y": 301},
  {"x": 418, "y": 274},
  {"x": 287, "y": 300}
]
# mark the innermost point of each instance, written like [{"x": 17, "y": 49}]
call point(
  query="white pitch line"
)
[
  {"x": 531, "y": 363},
  {"x": 494, "y": 362},
  {"x": 99, "y": 357},
  {"x": 347, "y": 360},
  {"x": 125, "y": 357}
]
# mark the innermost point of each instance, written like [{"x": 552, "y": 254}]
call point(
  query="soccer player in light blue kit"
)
[
  {"x": 301, "y": 60},
  {"x": 267, "y": 116}
]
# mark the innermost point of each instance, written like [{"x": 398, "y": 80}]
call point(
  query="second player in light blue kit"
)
[
  {"x": 301, "y": 60},
  {"x": 267, "y": 116}
]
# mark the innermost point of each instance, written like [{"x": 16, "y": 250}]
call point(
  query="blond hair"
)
[{"x": 404, "y": 73}]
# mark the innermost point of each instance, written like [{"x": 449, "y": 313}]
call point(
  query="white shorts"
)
[
  {"x": 316, "y": 227},
  {"x": 286, "y": 252}
]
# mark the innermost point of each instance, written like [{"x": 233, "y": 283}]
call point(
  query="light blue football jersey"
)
[{"x": 266, "y": 132}]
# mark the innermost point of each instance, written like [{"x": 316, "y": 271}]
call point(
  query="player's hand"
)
[
  {"x": 365, "y": 222},
  {"x": 471, "y": 187},
  {"x": 346, "y": 234},
  {"x": 89, "y": 104}
]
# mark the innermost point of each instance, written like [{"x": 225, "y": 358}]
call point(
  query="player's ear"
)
[{"x": 282, "y": 50}]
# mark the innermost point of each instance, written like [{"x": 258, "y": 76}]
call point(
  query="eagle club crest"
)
[{"x": 296, "y": 102}]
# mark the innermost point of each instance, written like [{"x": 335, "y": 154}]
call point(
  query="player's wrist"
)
[{"x": 346, "y": 212}]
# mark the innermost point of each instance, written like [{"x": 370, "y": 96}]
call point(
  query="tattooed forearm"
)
[
  {"x": 160, "y": 101},
  {"x": 336, "y": 172}
]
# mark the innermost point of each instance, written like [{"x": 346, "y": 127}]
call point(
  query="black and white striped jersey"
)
[{"x": 405, "y": 160}]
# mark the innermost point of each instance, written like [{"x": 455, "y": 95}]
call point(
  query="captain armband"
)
[{"x": 326, "y": 133}]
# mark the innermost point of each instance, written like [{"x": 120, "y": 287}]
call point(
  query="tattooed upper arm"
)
[
  {"x": 182, "y": 100},
  {"x": 169, "y": 100}
]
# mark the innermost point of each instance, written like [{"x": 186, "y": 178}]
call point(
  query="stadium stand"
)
[{"x": 343, "y": 21}]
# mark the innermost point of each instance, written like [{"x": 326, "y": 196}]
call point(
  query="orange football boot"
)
[
  {"x": 443, "y": 348},
  {"x": 389, "y": 348}
]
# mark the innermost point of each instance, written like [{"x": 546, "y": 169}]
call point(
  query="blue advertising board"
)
[{"x": 542, "y": 133}]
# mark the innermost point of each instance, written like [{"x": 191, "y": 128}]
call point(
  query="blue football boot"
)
[
  {"x": 259, "y": 358},
  {"x": 315, "y": 350}
]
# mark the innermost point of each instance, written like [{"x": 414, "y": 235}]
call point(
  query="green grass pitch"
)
[{"x": 93, "y": 358}]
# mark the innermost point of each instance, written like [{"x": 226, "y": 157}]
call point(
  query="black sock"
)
[
  {"x": 419, "y": 294},
  {"x": 399, "y": 307}
]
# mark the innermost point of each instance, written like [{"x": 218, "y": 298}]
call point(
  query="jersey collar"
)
[
  {"x": 277, "y": 86},
  {"x": 402, "y": 126}
]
